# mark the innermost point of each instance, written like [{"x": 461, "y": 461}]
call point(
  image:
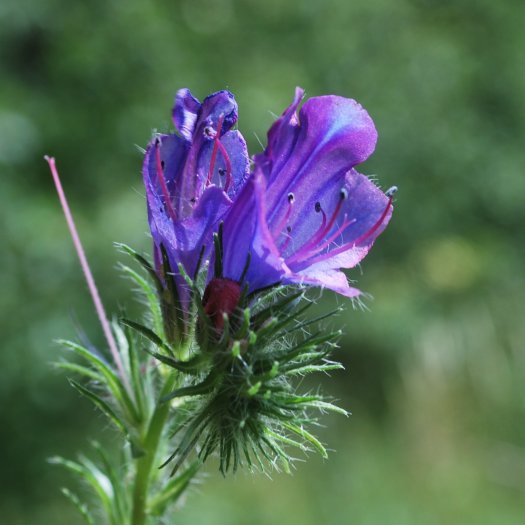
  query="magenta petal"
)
[
  {"x": 331, "y": 279},
  {"x": 193, "y": 235},
  {"x": 185, "y": 113},
  {"x": 362, "y": 216},
  {"x": 306, "y": 213},
  {"x": 334, "y": 134},
  {"x": 246, "y": 232},
  {"x": 282, "y": 135},
  {"x": 239, "y": 163}
]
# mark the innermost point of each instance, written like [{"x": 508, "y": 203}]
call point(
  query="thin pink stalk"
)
[{"x": 99, "y": 307}]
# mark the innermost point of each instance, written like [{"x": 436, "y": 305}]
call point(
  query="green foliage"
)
[
  {"x": 436, "y": 368},
  {"x": 234, "y": 395},
  {"x": 248, "y": 405}
]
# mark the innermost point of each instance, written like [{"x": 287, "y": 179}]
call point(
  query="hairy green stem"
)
[{"x": 145, "y": 463}]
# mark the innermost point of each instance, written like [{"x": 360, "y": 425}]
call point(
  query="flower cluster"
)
[
  {"x": 300, "y": 215},
  {"x": 231, "y": 240},
  {"x": 235, "y": 242}
]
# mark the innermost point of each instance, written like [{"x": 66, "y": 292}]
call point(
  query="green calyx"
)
[{"x": 198, "y": 387}]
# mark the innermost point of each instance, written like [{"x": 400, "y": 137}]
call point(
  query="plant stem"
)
[{"x": 145, "y": 462}]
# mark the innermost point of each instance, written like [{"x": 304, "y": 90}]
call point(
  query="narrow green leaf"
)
[
  {"x": 101, "y": 405},
  {"x": 310, "y": 369},
  {"x": 191, "y": 367},
  {"x": 117, "y": 482},
  {"x": 81, "y": 507},
  {"x": 171, "y": 306},
  {"x": 79, "y": 369},
  {"x": 148, "y": 334},
  {"x": 286, "y": 440},
  {"x": 113, "y": 382},
  {"x": 151, "y": 296},
  {"x": 175, "y": 487},
  {"x": 142, "y": 261},
  {"x": 98, "y": 482},
  {"x": 205, "y": 387},
  {"x": 324, "y": 405},
  {"x": 139, "y": 380},
  {"x": 275, "y": 308},
  {"x": 279, "y": 452},
  {"x": 309, "y": 437}
]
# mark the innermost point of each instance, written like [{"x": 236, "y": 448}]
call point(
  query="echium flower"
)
[
  {"x": 305, "y": 212},
  {"x": 303, "y": 215},
  {"x": 190, "y": 180}
]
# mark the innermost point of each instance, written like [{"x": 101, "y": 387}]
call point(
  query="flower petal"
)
[
  {"x": 191, "y": 117},
  {"x": 173, "y": 152},
  {"x": 221, "y": 103},
  {"x": 331, "y": 279},
  {"x": 231, "y": 173},
  {"x": 185, "y": 113},
  {"x": 246, "y": 232},
  {"x": 362, "y": 216},
  {"x": 196, "y": 231},
  {"x": 282, "y": 135},
  {"x": 333, "y": 135}
]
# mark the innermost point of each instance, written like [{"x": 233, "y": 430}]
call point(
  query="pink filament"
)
[
  {"x": 87, "y": 273},
  {"x": 286, "y": 242},
  {"x": 163, "y": 185},
  {"x": 375, "y": 227},
  {"x": 280, "y": 227},
  {"x": 318, "y": 236},
  {"x": 353, "y": 244},
  {"x": 228, "y": 164},
  {"x": 327, "y": 242},
  {"x": 214, "y": 151}
]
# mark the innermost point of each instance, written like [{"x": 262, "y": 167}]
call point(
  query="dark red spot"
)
[{"x": 221, "y": 297}]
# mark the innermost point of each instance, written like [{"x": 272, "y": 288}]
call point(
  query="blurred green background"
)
[{"x": 435, "y": 370}]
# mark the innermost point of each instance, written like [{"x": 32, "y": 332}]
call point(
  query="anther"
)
[
  {"x": 318, "y": 207},
  {"x": 391, "y": 191},
  {"x": 209, "y": 132},
  {"x": 286, "y": 217},
  {"x": 287, "y": 239},
  {"x": 343, "y": 194},
  {"x": 222, "y": 172}
]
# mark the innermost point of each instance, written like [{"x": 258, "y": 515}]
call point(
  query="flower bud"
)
[{"x": 221, "y": 297}]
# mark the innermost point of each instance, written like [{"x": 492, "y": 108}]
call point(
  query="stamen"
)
[
  {"x": 227, "y": 162},
  {"x": 162, "y": 180},
  {"x": 209, "y": 132},
  {"x": 287, "y": 240},
  {"x": 322, "y": 232},
  {"x": 216, "y": 143},
  {"x": 328, "y": 241},
  {"x": 319, "y": 209},
  {"x": 377, "y": 225},
  {"x": 99, "y": 307},
  {"x": 353, "y": 244},
  {"x": 391, "y": 191},
  {"x": 280, "y": 227}
]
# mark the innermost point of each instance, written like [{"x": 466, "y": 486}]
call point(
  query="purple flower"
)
[
  {"x": 305, "y": 212},
  {"x": 190, "y": 181}
]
